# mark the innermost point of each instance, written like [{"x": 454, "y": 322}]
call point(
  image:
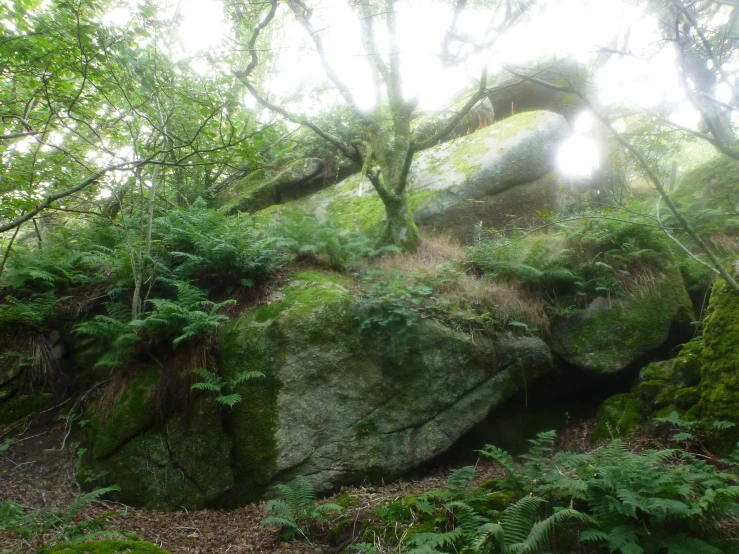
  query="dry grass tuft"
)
[
  {"x": 437, "y": 262},
  {"x": 433, "y": 252},
  {"x": 505, "y": 299}
]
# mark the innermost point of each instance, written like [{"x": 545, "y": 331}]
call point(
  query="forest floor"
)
[{"x": 38, "y": 471}]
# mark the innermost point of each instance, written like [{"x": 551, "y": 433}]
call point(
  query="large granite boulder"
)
[
  {"x": 713, "y": 183},
  {"x": 265, "y": 187},
  {"x": 473, "y": 179},
  {"x": 336, "y": 404},
  {"x": 612, "y": 333},
  {"x": 339, "y": 405}
]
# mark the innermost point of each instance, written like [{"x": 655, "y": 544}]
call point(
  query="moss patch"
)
[
  {"x": 264, "y": 187},
  {"x": 607, "y": 337},
  {"x": 147, "y": 475},
  {"x": 714, "y": 181},
  {"x": 618, "y": 416},
  {"x": 720, "y": 365},
  {"x": 133, "y": 412},
  {"x": 108, "y": 547},
  {"x": 23, "y": 406}
]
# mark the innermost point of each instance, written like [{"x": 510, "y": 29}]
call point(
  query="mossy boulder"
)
[
  {"x": 463, "y": 182},
  {"x": 662, "y": 388},
  {"x": 613, "y": 333},
  {"x": 713, "y": 183},
  {"x": 266, "y": 187},
  {"x": 720, "y": 366},
  {"x": 131, "y": 410},
  {"x": 108, "y": 547},
  {"x": 180, "y": 461},
  {"x": 341, "y": 406},
  {"x": 23, "y": 406},
  {"x": 618, "y": 416},
  {"x": 183, "y": 462}
]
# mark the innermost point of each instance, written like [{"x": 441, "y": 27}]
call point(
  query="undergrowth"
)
[{"x": 612, "y": 499}]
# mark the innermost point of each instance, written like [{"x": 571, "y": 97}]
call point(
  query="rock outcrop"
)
[
  {"x": 473, "y": 179},
  {"x": 700, "y": 384},
  {"x": 336, "y": 405},
  {"x": 612, "y": 333}
]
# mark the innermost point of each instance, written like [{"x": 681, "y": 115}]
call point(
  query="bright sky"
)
[{"x": 564, "y": 28}]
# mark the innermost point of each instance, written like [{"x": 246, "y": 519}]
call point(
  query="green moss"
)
[
  {"x": 687, "y": 397},
  {"x": 648, "y": 390},
  {"x": 618, "y": 416},
  {"x": 253, "y": 421},
  {"x": 661, "y": 371},
  {"x": 23, "y": 406},
  {"x": 365, "y": 213},
  {"x": 610, "y": 335},
  {"x": 254, "y": 342},
  {"x": 720, "y": 365},
  {"x": 686, "y": 368},
  {"x": 200, "y": 448},
  {"x": 133, "y": 411},
  {"x": 264, "y": 187},
  {"x": 500, "y": 500},
  {"x": 108, "y": 547},
  {"x": 714, "y": 181},
  {"x": 666, "y": 396},
  {"x": 147, "y": 474},
  {"x": 305, "y": 291}
]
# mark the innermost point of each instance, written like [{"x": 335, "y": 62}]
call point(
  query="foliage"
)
[
  {"x": 588, "y": 258},
  {"x": 392, "y": 305},
  {"x": 642, "y": 501},
  {"x": 216, "y": 384},
  {"x": 36, "y": 523},
  {"x": 295, "y": 510},
  {"x": 305, "y": 234},
  {"x": 461, "y": 518}
]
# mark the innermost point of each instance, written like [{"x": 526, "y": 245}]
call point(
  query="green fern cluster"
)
[
  {"x": 463, "y": 518},
  {"x": 583, "y": 259},
  {"x": 305, "y": 234},
  {"x": 190, "y": 315},
  {"x": 295, "y": 510},
  {"x": 35, "y": 524},
  {"x": 650, "y": 501},
  {"x": 216, "y": 384}
]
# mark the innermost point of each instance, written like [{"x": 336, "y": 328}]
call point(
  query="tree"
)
[
  {"x": 707, "y": 57},
  {"x": 90, "y": 110},
  {"x": 386, "y": 143}
]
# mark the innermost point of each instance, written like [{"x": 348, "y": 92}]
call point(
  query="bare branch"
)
[
  {"x": 68, "y": 192},
  {"x": 455, "y": 119},
  {"x": 685, "y": 224}
]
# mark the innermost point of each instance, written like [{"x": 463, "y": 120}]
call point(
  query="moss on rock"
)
[
  {"x": 133, "y": 411},
  {"x": 714, "y": 182},
  {"x": 720, "y": 365},
  {"x": 23, "y": 406},
  {"x": 147, "y": 475},
  {"x": 618, "y": 416},
  {"x": 201, "y": 449},
  {"x": 264, "y": 187},
  {"x": 611, "y": 334}
]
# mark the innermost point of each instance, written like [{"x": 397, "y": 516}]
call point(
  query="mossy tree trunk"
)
[{"x": 401, "y": 230}]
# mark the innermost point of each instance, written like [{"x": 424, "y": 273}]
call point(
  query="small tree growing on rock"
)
[{"x": 387, "y": 143}]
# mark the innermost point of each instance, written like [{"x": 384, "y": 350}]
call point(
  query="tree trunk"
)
[{"x": 401, "y": 230}]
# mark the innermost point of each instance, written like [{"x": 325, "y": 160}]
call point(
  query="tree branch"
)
[{"x": 687, "y": 227}]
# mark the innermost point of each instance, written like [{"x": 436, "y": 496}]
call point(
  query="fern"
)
[
  {"x": 214, "y": 383},
  {"x": 295, "y": 510}
]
